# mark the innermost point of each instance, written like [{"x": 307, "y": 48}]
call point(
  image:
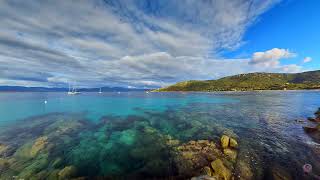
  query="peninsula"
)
[{"x": 252, "y": 81}]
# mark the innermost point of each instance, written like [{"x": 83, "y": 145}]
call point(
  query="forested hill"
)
[{"x": 252, "y": 81}]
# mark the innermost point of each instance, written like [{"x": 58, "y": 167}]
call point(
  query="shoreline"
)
[{"x": 290, "y": 90}]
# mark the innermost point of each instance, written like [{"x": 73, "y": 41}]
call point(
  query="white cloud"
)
[
  {"x": 307, "y": 59},
  {"x": 120, "y": 43},
  {"x": 271, "y": 58},
  {"x": 291, "y": 68}
]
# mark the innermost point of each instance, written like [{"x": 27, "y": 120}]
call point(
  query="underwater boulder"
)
[
  {"x": 3, "y": 148},
  {"x": 243, "y": 170},
  {"x": 4, "y": 164},
  {"x": 67, "y": 172},
  {"x": 63, "y": 127},
  {"x": 33, "y": 167},
  {"x": 203, "y": 177},
  {"x": 53, "y": 174},
  {"x": 279, "y": 173},
  {"x": 39, "y": 145},
  {"x": 194, "y": 155},
  {"x": 170, "y": 141},
  {"x": 57, "y": 162},
  {"x": 221, "y": 170},
  {"x": 230, "y": 153}
]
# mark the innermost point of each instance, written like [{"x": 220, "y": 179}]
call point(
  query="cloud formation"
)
[
  {"x": 271, "y": 57},
  {"x": 126, "y": 43},
  {"x": 307, "y": 59}
]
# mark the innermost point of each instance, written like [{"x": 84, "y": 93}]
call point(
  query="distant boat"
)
[
  {"x": 73, "y": 91},
  {"x": 100, "y": 92}
]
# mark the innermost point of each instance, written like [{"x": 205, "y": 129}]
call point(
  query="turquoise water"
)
[
  {"x": 15, "y": 106},
  {"x": 124, "y": 134}
]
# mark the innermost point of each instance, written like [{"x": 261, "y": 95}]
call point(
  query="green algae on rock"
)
[
  {"x": 39, "y": 145},
  {"x": 3, "y": 149},
  {"x": 67, "y": 172},
  {"x": 225, "y": 141},
  {"x": 230, "y": 153},
  {"x": 220, "y": 170},
  {"x": 233, "y": 143}
]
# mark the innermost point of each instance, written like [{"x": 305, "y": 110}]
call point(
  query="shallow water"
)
[{"x": 114, "y": 135}]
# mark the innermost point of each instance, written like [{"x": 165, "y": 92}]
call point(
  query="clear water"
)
[{"x": 100, "y": 134}]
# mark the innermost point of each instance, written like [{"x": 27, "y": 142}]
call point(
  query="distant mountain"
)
[
  {"x": 45, "y": 89},
  {"x": 252, "y": 81}
]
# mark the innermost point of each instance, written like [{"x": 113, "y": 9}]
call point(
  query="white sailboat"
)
[
  {"x": 100, "y": 92},
  {"x": 73, "y": 91}
]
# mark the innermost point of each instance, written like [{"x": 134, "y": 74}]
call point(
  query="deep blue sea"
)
[{"x": 106, "y": 134}]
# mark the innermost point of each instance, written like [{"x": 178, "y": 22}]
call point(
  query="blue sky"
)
[
  {"x": 141, "y": 43},
  {"x": 291, "y": 24}
]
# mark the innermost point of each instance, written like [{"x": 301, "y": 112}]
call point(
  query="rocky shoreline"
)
[{"x": 313, "y": 126}]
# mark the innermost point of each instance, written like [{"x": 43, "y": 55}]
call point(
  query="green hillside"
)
[{"x": 252, "y": 81}]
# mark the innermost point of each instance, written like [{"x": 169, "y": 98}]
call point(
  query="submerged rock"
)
[
  {"x": 232, "y": 154},
  {"x": 202, "y": 157},
  {"x": 207, "y": 171},
  {"x": 67, "y": 172},
  {"x": 4, "y": 164},
  {"x": 63, "y": 126},
  {"x": 309, "y": 129},
  {"x": 33, "y": 167},
  {"x": 317, "y": 119},
  {"x": 3, "y": 148},
  {"x": 204, "y": 177},
  {"x": 39, "y": 145},
  {"x": 244, "y": 170},
  {"x": 57, "y": 162},
  {"x": 280, "y": 174},
  {"x": 171, "y": 142},
  {"x": 191, "y": 157},
  {"x": 221, "y": 170}
]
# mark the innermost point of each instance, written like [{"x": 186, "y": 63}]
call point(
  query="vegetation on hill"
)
[{"x": 252, "y": 81}]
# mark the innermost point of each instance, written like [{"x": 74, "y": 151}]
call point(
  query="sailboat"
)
[
  {"x": 73, "y": 91},
  {"x": 100, "y": 91}
]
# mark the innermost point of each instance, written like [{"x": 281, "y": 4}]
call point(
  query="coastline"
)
[{"x": 265, "y": 90}]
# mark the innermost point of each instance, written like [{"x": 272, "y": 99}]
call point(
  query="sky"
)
[{"x": 150, "y": 44}]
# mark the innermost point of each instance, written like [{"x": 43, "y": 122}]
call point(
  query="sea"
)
[{"x": 122, "y": 135}]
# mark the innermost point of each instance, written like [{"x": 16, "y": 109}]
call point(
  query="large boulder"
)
[
  {"x": 233, "y": 143},
  {"x": 231, "y": 153},
  {"x": 225, "y": 141},
  {"x": 194, "y": 155}
]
